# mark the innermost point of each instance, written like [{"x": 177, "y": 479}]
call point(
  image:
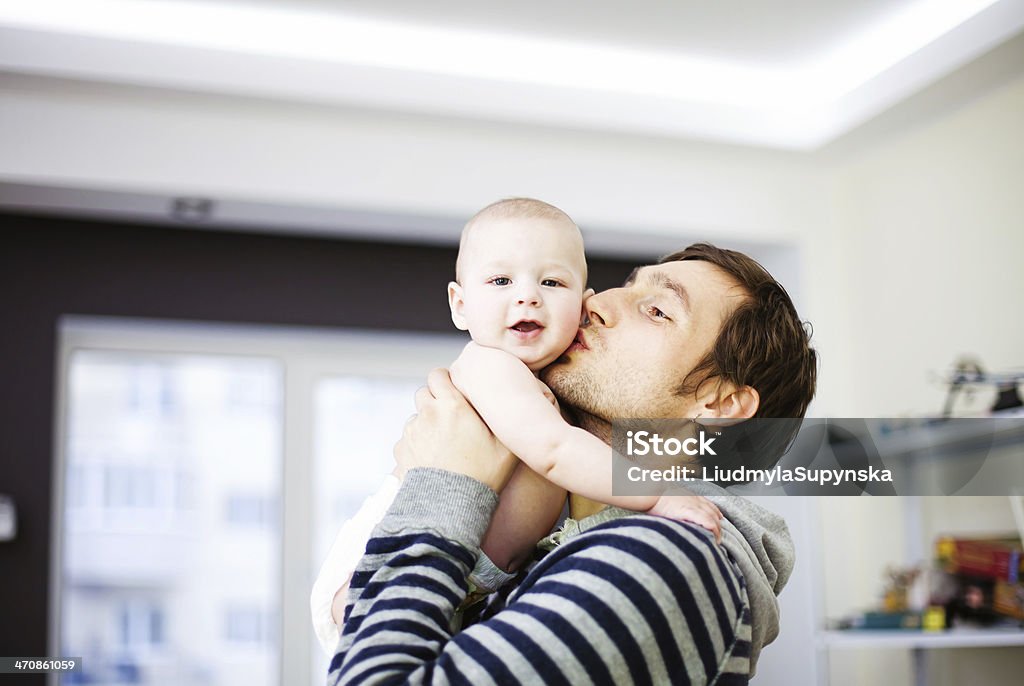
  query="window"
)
[
  {"x": 246, "y": 511},
  {"x": 358, "y": 419},
  {"x": 133, "y": 486},
  {"x": 131, "y": 523},
  {"x": 205, "y": 470},
  {"x": 247, "y": 625},
  {"x": 140, "y": 623},
  {"x": 151, "y": 389}
]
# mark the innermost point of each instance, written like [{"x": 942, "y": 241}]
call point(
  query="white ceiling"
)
[
  {"x": 790, "y": 74},
  {"x": 773, "y": 32}
]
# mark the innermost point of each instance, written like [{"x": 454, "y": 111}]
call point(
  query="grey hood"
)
[{"x": 759, "y": 541}]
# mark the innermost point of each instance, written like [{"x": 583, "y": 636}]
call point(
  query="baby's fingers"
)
[
  {"x": 708, "y": 505},
  {"x": 709, "y": 522}
]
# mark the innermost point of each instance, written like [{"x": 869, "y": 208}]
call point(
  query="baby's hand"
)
[{"x": 690, "y": 508}]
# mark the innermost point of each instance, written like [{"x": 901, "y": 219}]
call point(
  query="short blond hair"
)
[{"x": 512, "y": 208}]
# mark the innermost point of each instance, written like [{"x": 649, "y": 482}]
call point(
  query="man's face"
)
[{"x": 643, "y": 339}]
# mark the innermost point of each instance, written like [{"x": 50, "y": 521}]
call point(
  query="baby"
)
[{"x": 520, "y": 285}]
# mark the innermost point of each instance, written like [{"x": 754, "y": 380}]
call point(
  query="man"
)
[{"x": 623, "y": 598}]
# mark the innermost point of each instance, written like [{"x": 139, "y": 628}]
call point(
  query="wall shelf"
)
[
  {"x": 960, "y": 435},
  {"x": 901, "y": 638},
  {"x": 936, "y": 445}
]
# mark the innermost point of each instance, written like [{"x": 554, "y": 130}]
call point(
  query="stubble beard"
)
[
  {"x": 571, "y": 386},
  {"x": 578, "y": 392},
  {"x": 596, "y": 402}
]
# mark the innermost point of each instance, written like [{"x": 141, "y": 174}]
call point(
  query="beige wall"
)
[
  {"x": 931, "y": 239},
  {"x": 931, "y": 229}
]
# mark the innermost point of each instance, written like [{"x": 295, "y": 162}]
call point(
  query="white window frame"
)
[{"x": 306, "y": 355}]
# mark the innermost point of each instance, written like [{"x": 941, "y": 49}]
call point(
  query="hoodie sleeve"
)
[{"x": 759, "y": 542}]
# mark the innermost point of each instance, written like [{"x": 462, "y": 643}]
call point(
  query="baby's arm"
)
[
  {"x": 510, "y": 400},
  {"x": 512, "y": 403},
  {"x": 527, "y": 510}
]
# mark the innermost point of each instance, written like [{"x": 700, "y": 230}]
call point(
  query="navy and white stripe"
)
[{"x": 637, "y": 600}]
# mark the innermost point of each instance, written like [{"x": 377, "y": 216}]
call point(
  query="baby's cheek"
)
[
  {"x": 562, "y": 339},
  {"x": 569, "y": 320}
]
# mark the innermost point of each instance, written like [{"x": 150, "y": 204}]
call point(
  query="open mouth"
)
[{"x": 526, "y": 326}]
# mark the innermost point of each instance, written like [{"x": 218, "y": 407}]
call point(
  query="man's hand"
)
[{"x": 447, "y": 433}]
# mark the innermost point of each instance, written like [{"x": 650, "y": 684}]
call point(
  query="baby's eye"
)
[
  {"x": 500, "y": 281},
  {"x": 656, "y": 313},
  {"x": 553, "y": 283}
]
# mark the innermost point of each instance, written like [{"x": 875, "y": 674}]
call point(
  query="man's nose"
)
[{"x": 599, "y": 309}]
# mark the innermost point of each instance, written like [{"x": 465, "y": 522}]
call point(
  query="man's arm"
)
[
  {"x": 329, "y": 593},
  {"x": 406, "y": 590},
  {"x": 639, "y": 599}
]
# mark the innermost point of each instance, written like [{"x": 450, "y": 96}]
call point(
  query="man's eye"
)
[
  {"x": 501, "y": 281},
  {"x": 553, "y": 283},
  {"x": 656, "y": 313}
]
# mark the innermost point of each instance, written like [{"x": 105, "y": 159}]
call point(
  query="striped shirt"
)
[{"x": 636, "y": 600}]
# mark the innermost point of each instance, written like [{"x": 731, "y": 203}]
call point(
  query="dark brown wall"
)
[{"x": 51, "y": 267}]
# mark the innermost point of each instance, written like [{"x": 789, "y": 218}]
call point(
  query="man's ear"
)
[
  {"x": 728, "y": 404},
  {"x": 457, "y": 306}
]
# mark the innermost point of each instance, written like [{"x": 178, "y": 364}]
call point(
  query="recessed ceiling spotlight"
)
[{"x": 192, "y": 210}]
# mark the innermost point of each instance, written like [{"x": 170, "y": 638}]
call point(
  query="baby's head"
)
[{"x": 520, "y": 277}]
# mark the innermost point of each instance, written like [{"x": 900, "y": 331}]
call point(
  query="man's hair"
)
[
  {"x": 764, "y": 345},
  {"x": 511, "y": 208}
]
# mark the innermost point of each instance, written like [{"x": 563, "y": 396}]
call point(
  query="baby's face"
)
[{"x": 522, "y": 287}]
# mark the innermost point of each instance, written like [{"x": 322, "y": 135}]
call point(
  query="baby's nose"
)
[
  {"x": 528, "y": 296},
  {"x": 529, "y": 300}
]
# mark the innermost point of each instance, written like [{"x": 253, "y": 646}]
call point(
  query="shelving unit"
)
[
  {"x": 918, "y": 642},
  {"x": 924, "y": 640},
  {"x": 920, "y": 447}
]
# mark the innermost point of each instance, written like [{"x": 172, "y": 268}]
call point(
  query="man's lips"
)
[{"x": 580, "y": 342}]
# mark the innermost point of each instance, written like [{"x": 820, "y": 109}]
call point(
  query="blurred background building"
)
[
  {"x": 228, "y": 228},
  {"x": 171, "y": 519}
]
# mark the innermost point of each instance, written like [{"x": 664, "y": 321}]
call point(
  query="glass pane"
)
[
  {"x": 172, "y": 543},
  {"x": 358, "y": 420}
]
